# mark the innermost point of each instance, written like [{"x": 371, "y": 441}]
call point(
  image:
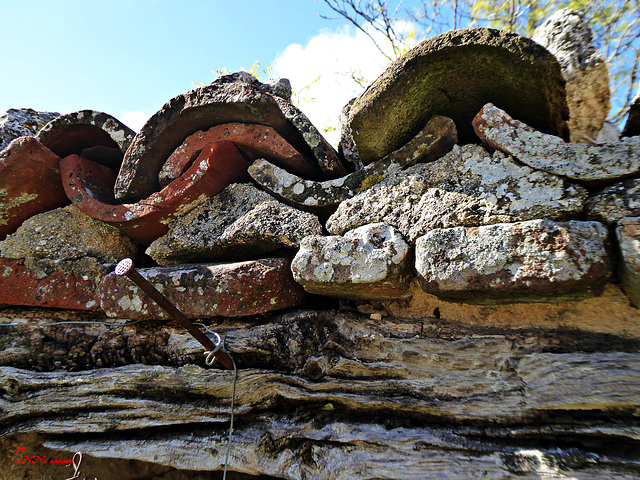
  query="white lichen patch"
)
[
  {"x": 577, "y": 161},
  {"x": 321, "y": 273},
  {"x": 370, "y": 254},
  {"x": 298, "y": 188},
  {"x": 312, "y": 139},
  {"x": 466, "y": 187},
  {"x": 511, "y": 256},
  {"x": 334, "y": 183},
  {"x": 118, "y": 135},
  {"x": 133, "y": 303},
  {"x": 129, "y": 215}
]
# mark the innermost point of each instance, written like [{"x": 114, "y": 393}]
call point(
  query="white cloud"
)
[
  {"x": 135, "y": 120},
  {"x": 321, "y": 73}
]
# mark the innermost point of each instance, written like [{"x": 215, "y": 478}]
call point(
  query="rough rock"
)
[
  {"x": 229, "y": 289},
  {"x": 51, "y": 283},
  {"x": 347, "y": 147},
  {"x": 467, "y": 187},
  {"x": 90, "y": 187},
  {"x": 614, "y": 202},
  {"x": 95, "y": 135},
  {"x": 57, "y": 259},
  {"x": 229, "y": 99},
  {"x": 67, "y": 234},
  {"x": 628, "y": 235},
  {"x": 240, "y": 222},
  {"x": 568, "y": 37},
  {"x": 609, "y": 134},
  {"x": 513, "y": 262},
  {"x": 253, "y": 142},
  {"x": 331, "y": 164},
  {"x": 280, "y": 87},
  {"x": 29, "y": 183},
  {"x": 432, "y": 142},
  {"x": 455, "y": 74},
  {"x": 632, "y": 127},
  {"x": 22, "y": 122},
  {"x": 592, "y": 164},
  {"x": 371, "y": 262}
]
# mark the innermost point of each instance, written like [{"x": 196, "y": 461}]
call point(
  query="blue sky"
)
[
  {"x": 124, "y": 56},
  {"x": 129, "y": 57}
]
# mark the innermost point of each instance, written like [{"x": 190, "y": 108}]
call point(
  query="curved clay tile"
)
[
  {"x": 96, "y": 135},
  {"x": 254, "y": 142},
  {"x": 455, "y": 74},
  {"x": 89, "y": 185},
  {"x": 215, "y": 104},
  {"x": 29, "y": 183}
]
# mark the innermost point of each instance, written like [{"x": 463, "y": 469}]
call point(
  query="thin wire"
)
[
  {"x": 233, "y": 401},
  {"x": 76, "y": 322},
  {"x": 210, "y": 358},
  {"x": 220, "y": 345}
]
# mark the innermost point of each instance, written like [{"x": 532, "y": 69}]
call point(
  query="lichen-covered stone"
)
[
  {"x": 22, "y": 122},
  {"x": 628, "y": 235},
  {"x": 370, "y": 262},
  {"x": 433, "y": 141},
  {"x": 240, "y": 222},
  {"x": 454, "y": 74},
  {"x": 614, "y": 202},
  {"x": 67, "y": 234},
  {"x": 90, "y": 187},
  {"x": 578, "y": 161},
  {"x": 229, "y": 99},
  {"x": 29, "y": 183},
  {"x": 280, "y": 87},
  {"x": 632, "y": 127},
  {"x": 567, "y": 35},
  {"x": 466, "y": 187},
  {"x": 513, "y": 262},
  {"x": 226, "y": 289}
]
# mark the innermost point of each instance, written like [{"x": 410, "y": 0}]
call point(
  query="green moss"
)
[{"x": 455, "y": 75}]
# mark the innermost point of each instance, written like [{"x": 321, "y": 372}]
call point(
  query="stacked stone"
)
[
  {"x": 227, "y": 192},
  {"x": 130, "y": 191},
  {"x": 468, "y": 207},
  {"x": 487, "y": 228}
]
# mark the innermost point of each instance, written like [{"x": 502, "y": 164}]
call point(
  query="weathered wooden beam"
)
[{"x": 327, "y": 394}]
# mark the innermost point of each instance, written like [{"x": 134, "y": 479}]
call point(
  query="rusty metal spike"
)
[{"x": 125, "y": 268}]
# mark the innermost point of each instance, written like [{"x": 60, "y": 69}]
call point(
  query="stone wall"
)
[{"x": 451, "y": 293}]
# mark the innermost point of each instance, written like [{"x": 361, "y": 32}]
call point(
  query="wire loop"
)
[{"x": 211, "y": 354}]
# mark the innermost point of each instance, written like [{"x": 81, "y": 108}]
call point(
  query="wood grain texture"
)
[{"x": 329, "y": 394}]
